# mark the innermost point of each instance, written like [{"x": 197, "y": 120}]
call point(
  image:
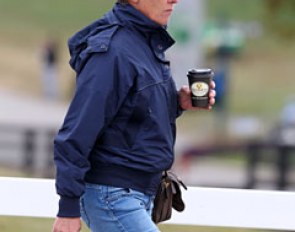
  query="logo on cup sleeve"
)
[{"x": 199, "y": 89}]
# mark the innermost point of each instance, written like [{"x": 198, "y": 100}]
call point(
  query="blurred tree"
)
[{"x": 280, "y": 17}]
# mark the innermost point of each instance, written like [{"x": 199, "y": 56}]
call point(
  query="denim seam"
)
[
  {"x": 83, "y": 211},
  {"x": 111, "y": 212}
]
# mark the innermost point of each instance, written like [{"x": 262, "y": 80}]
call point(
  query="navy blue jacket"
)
[{"x": 120, "y": 126}]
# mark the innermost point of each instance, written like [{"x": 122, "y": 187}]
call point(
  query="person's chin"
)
[{"x": 164, "y": 22}]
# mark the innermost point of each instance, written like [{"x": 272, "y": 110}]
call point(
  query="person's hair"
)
[{"x": 122, "y": 1}]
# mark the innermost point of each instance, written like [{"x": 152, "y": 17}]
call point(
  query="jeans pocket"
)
[{"x": 115, "y": 193}]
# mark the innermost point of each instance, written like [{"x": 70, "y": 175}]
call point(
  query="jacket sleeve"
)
[{"x": 102, "y": 86}]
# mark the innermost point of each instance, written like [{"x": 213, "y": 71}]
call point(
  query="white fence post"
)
[
  {"x": 28, "y": 197},
  {"x": 204, "y": 206}
]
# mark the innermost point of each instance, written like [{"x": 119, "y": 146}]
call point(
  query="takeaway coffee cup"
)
[{"x": 199, "y": 83}]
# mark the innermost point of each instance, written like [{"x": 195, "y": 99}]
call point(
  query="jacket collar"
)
[{"x": 159, "y": 38}]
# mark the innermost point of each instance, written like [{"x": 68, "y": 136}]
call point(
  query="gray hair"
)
[{"x": 122, "y": 1}]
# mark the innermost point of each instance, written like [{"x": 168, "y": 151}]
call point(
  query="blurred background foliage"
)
[{"x": 280, "y": 19}]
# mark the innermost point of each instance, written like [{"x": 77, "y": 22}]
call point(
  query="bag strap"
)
[{"x": 175, "y": 179}]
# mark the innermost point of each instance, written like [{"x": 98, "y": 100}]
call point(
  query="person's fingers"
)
[
  {"x": 211, "y": 102},
  {"x": 212, "y": 84},
  {"x": 185, "y": 90},
  {"x": 212, "y": 93}
]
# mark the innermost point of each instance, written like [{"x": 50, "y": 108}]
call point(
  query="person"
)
[
  {"x": 49, "y": 70},
  {"x": 119, "y": 132}
]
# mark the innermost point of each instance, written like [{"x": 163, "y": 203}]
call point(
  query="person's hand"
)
[
  {"x": 67, "y": 225},
  {"x": 185, "y": 98}
]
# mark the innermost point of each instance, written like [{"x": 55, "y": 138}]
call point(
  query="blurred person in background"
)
[
  {"x": 49, "y": 70},
  {"x": 118, "y": 135}
]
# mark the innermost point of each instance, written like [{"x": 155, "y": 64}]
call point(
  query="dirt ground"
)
[{"x": 21, "y": 69}]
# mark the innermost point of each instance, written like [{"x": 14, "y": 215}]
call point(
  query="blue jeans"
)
[{"x": 111, "y": 209}]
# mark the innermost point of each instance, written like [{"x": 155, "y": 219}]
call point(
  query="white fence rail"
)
[{"x": 204, "y": 206}]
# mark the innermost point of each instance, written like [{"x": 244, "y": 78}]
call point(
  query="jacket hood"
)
[{"x": 85, "y": 41}]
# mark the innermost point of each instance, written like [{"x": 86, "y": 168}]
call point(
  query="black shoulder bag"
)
[{"x": 168, "y": 196}]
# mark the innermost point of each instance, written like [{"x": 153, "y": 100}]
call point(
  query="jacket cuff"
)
[{"x": 69, "y": 207}]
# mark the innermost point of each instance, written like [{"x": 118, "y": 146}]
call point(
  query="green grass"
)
[
  {"x": 27, "y": 224},
  {"x": 236, "y": 9},
  {"x": 23, "y": 224},
  {"x": 36, "y": 17}
]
